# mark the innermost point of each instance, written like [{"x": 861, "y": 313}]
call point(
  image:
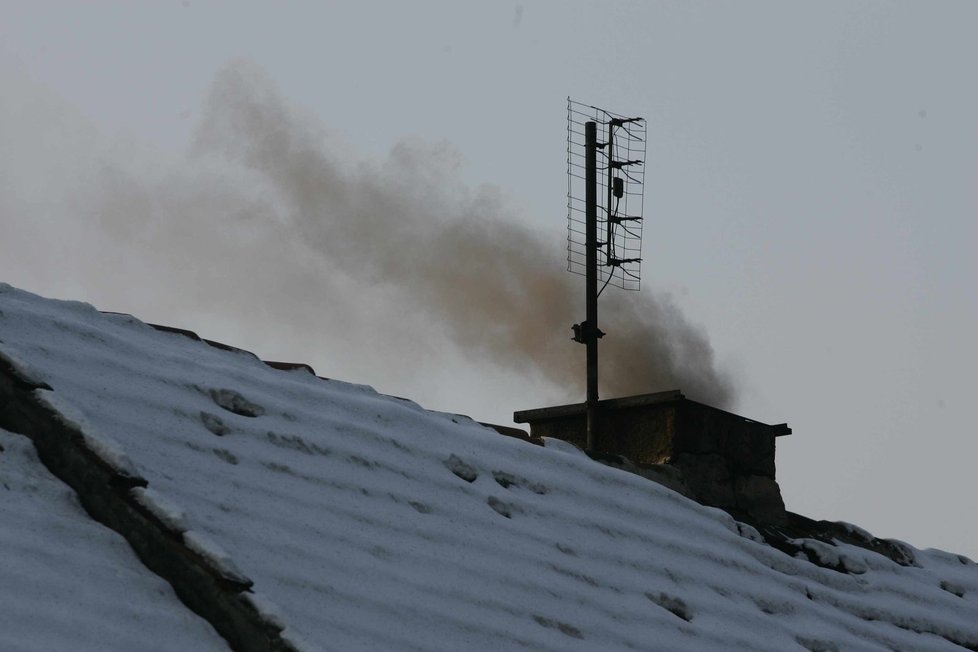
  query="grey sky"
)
[{"x": 812, "y": 194}]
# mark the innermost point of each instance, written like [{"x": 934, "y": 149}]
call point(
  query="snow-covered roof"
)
[
  {"x": 357, "y": 521},
  {"x": 68, "y": 583}
]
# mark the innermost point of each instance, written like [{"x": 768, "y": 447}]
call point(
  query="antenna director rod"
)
[
  {"x": 590, "y": 333},
  {"x": 609, "y": 218}
]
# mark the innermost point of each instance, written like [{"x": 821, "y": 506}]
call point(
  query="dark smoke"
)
[{"x": 499, "y": 289}]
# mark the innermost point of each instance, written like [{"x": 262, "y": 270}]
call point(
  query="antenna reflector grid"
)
[{"x": 621, "y": 182}]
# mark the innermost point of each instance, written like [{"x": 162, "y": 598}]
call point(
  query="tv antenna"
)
[{"x": 604, "y": 229}]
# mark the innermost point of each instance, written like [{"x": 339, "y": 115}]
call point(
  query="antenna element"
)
[{"x": 615, "y": 213}]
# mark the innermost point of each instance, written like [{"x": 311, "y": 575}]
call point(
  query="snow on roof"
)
[
  {"x": 68, "y": 583},
  {"x": 368, "y": 523}
]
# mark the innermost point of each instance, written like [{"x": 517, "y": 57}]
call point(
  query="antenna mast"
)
[{"x": 622, "y": 155}]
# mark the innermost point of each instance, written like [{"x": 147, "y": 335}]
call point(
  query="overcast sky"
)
[{"x": 811, "y": 201}]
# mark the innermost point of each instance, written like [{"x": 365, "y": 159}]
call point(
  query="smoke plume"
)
[
  {"x": 271, "y": 221},
  {"x": 498, "y": 289}
]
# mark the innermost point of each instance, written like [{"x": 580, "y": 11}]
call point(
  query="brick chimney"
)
[{"x": 713, "y": 456}]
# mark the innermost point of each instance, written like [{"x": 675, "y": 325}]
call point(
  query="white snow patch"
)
[
  {"x": 215, "y": 556},
  {"x": 171, "y": 515},
  {"x": 749, "y": 532},
  {"x": 66, "y": 411},
  {"x": 270, "y": 612},
  {"x": 856, "y": 531},
  {"x": 23, "y": 370},
  {"x": 562, "y": 446},
  {"x": 840, "y": 557},
  {"x": 101, "y": 445},
  {"x": 110, "y": 451}
]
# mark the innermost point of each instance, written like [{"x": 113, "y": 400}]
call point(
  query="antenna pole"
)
[
  {"x": 591, "y": 263},
  {"x": 604, "y": 232}
]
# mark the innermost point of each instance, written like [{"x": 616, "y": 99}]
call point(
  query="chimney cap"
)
[{"x": 575, "y": 409}]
